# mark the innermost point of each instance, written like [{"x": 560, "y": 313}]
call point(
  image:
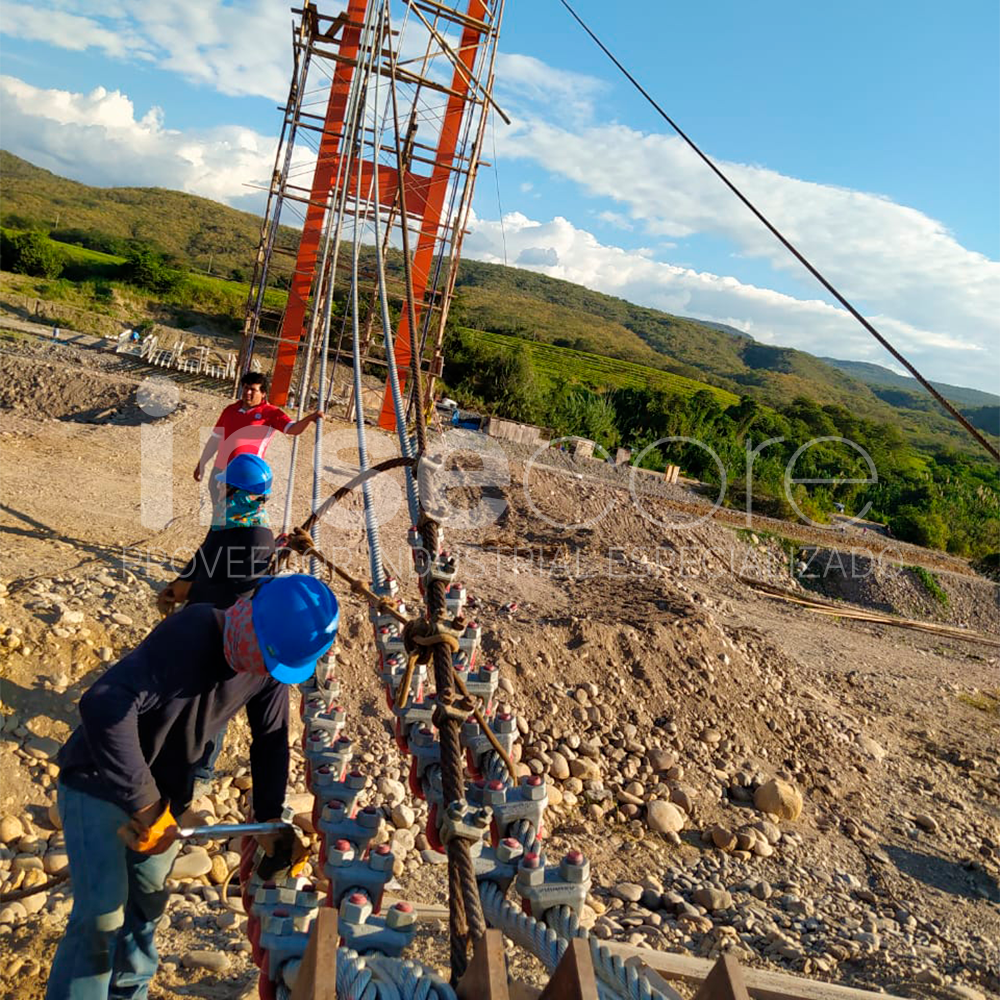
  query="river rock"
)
[
  {"x": 712, "y": 899},
  {"x": 723, "y": 838},
  {"x": 628, "y": 891},
  {"x": 558, "y": 766},
  {"x": 779, "y": 798},
  {"x": 214, "y": 961},
  {"x": 403, "y": 816},
  {"x": 219, "y": 870},
  {"x": 192, "y": 865},
  {"x": 56, "y": 862},
  {"x": 11, "y": 829},
  {"x": 873, "y": 749},
  {"x": 664, "y": 817}
]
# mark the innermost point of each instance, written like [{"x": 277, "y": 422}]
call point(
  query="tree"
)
[
  {"x": 34, "y": 254},
  {"x": 146, "y": 268}
]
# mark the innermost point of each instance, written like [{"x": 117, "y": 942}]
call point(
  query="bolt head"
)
[
  {"x": 509, "y": 850},
  {"x": 494, "y": 794},
  {"x": 533, "y": 788},
  {"x": 339, "y": 856},
  {"x": 355, "y": 909},
  {"x": 574, "y": 867},
  {"x": 381, "y": 858},
  {"x": 531, "y": 870},
  {"x": 401, "y": 916}
]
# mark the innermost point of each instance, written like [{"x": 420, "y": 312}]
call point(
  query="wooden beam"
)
[
  {"x": 574, "y": 977},
  {"x": 317, "y": 978},
  {"x": 761, "y": 984},
  {"x": 486, "y": 976},
  {"x": 724, "y": 982}
]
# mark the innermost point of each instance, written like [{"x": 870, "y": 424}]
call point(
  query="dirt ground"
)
[{"x": 622, "y": 630}]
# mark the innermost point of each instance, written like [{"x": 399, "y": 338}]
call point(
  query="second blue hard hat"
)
[
  {"x": 295, "y": 618},
  {"x": 249, "y": 473}
]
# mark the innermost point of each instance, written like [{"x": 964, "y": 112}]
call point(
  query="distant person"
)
[
  {"x": 246, "y": 428},
  {"x": 55, "y": 335}
]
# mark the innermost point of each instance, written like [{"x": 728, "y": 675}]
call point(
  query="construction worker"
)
[
  {"x": 237, "y": 549},
  {"x": 246, "y": 427},
  {"x": 235, "y": 554},
  {"x": 126, "y": 771}
]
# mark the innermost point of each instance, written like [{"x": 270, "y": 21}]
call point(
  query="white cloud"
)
[
  {"x": 98, "y": 139},
  {"x": 890, "y": 260},
  {"x": 237, "y": 49},
  {"x": 768, "y": 316},
  {"x": 524, "y": 81}
]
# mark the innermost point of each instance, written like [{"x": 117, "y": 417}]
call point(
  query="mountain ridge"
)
[{"x": 206, "y": 235}]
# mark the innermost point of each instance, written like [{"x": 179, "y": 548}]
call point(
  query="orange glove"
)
[
  {"x": 288, "y": 850},
  {"x": 151, "y": 839}
]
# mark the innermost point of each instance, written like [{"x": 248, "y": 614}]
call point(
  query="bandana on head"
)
[
  {"x": 240, "y": 641},
  {"x": 243, "y": 510}
]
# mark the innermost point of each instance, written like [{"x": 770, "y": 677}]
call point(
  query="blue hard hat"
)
[
  {"x": 249, "y": 473},
  {"x": 295, "y": 618}
]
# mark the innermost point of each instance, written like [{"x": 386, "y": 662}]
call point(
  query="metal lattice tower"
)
[{"x": 402, "y": 86}]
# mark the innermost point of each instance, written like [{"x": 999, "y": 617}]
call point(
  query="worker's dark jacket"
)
[
  {"x": 228, "y": 564},
  {"x": 146, "y": 722}
]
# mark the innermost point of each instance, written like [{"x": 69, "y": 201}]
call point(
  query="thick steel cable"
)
[
  {"x": 371, "y": 525},
  {"x": 332, "y": 237},
  {"x": 416, "y": 358},
  {"x": 466, "y": 915},
  {"x": 786, "y": 243},
  {"x": 405, "y": 445}
]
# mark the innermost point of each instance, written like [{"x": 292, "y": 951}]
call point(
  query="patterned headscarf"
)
[
  {"x": 240, "y": 641},
  {"x": 243, "y": 510}
]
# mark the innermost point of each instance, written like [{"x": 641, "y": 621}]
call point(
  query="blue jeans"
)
[{"x": 118, "y": 897}]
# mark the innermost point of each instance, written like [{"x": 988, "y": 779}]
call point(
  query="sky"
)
[{"x": 868, "y": 133}]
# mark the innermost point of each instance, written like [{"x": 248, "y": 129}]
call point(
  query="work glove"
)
[
  {"x": 151, "y": 830},
  {"x": 285, "y": 853}
]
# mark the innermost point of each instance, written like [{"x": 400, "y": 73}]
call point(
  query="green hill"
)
[
  {"x": 879, "y": 377},
  {"x": 202, "y": 235},
  {"x": 197, "y": 233}
]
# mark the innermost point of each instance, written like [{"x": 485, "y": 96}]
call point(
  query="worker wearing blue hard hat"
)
[
  {"x": 127, "y": 769},
  {"x": 238, "y": 547},
  {"x": 235, "y": 554}
]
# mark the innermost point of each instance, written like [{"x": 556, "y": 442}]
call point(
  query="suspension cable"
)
[
  {"x": 405, "y": 445},
  {"x": 786, "y": 243}
]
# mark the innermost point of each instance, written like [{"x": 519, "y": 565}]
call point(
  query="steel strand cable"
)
[
  {"x": 354, "y": 979},
  {"x": 405, "y": 445},
  {"x": 404, "y": 978}
]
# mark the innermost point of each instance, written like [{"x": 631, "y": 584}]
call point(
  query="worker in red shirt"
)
[{"x": 246, "y": 428}]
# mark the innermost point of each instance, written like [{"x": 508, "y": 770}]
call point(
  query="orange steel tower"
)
[{"x": 435, "y": 61}]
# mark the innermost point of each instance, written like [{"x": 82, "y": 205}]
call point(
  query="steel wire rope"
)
[
  {"x": 343, "y": 326},
  {"x": 405, "y": 444},
  {"x": 374, "y": 548},
  {"x": 462, "y": 155},
  {"x": 328, "y": 271},
  {"x": 351, "y": 120},
  {"x": 785, "y": 242}
]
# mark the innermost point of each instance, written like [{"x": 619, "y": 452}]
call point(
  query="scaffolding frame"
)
[{"x": 443, "y": 81}]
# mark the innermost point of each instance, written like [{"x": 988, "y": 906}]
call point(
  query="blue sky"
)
[{"x": 870, "y": 133}]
